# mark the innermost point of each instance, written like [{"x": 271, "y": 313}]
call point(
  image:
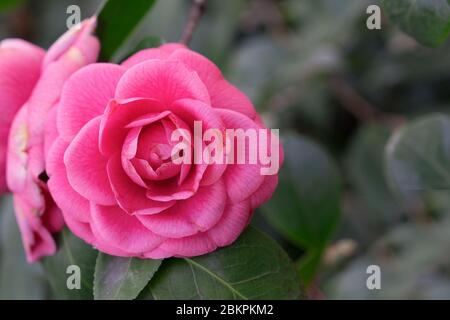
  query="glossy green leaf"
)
[
  {"x": 307, "y": 203},
  {"x": 9, "y": 4},
  {"x": 309, "y": 264},
  {"x": 418, "y": 158},
  {"x": 428, "y": 21},
  {"x": 119, "y": 278},
  {"x": 254, "y": 267},
  {"x": 116, "y": 21},
  {"x": 72, "y": 251}
]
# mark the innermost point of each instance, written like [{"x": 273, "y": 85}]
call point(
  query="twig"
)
[
  {"x": 197, "y": 10},
  {"x": 358, "y": 106}
]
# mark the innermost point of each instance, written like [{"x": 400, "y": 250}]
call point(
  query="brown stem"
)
[
  {"x": 197, "y": 10},
  {"x": 358, "y": 106}
]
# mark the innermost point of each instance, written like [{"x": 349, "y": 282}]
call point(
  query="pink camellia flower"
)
[
  {"x": 110, "y": 166},
  {"x": 37, "y": 215},
  {"x": 20, "y": 67}
]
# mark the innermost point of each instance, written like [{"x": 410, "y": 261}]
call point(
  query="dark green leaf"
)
[
  {"x": 119, "y": 278},
  {"x": 116, "y": 21},
  {"x": 428, "y": 21},
  {"x": 418, "y": 158},
  {"x": 306, "y": 206},
  {"x": 9, "y": 4},
  {"x": 254, "y": 267},
  {"x": 309, "y": 264},
  {"x": 72, "y": 251}
]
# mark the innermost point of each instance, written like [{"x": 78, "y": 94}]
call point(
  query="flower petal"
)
[
  {"x": 160, "y": 53},
  {"x": 191, "y": 110},
  {"x": 71, "y": 203},
  {"x": 131, "y": 197},
  {"x": 118, "y": 115},
  {"x": 163, "y": 81},
  {"x": 222, "y": 93},
  {"x": 242, "y": 180},
  {"x": 37, "y": 240},
  {"x": 196, "y": 245},
  {"x": 265, "y": 191},
  {"x": 186, "y": 218},
  {"x": 86, "y": 167},
  {"x": 119, "y": 229},
  {"x": 85, "y": 96},
  {"x": 234, "y": 220}
]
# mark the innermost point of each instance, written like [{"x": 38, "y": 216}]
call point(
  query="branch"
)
[
  {"x": 197, "y": 10},
  {"x": 358, "y": 106}
]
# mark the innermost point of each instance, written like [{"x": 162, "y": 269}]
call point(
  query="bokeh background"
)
[{"x": 338, "y": 92}]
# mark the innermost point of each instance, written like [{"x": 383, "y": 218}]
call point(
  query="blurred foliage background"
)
[{"x": 344, "y": 98}]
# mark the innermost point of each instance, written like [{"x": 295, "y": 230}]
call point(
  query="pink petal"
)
[
  {"x": 168, "y": 190},
  {"x": 160, "y": 53},
  {"x": 51, "y": 131},
  {"x": 83, "y": 230},
  {"x": 157, "y": 253},
  {"x": 196, "y": 245},
  {"x": 118, "y": 115},
  {"x": 170, "y": 224},
  {"x": 44, "y": 98},
  {"x": 234, "y": 220},
  {"x": 117, "y": 228},
  {"x": 163, "y": 81},
  {"x": 77, "y": 38},
  {"x": 85, "y": 96},
  {"x": 86, "y": 167},
  {"x": 131, "y": 197},
  {"x": 186, "y": 218},
  {"x": 71, "y": 203},
  {"x": 265, "y": 191},
  {"x": 20, "y": 68},
  {"x": 242, "y": 180},
  {"x": 165, "y": 171},
  {"x": 222, "y": 93},
  {"x": 17, "y": 171},
  {"x": 20, "y": 64},
  {"x": 37, "y": 240},
  {"x": 192, "y": 110},
  {"x": 148, "y": 119},
  {"x": 52, "y": 218}
]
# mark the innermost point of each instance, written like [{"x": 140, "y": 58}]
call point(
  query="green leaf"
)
[
  {"x": 9, "y": 4},
  {"x": 309, "y": 264},
  {"x": 116, "y": 21},
  {"x": 72, "y": 251},
  {"x": 428, "y": 21},
  {"x": 307, "y": 204},
  {"x": 254, "y": 267},
  {"x": 118, "y": 278},
  {"x": 418, "y": 159}
]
